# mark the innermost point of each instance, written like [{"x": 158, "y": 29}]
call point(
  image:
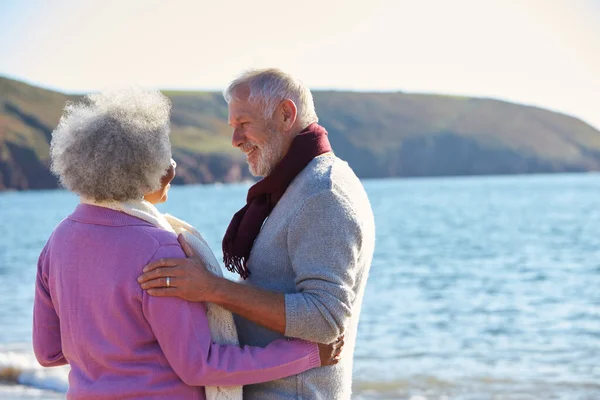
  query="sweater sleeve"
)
[
  {"x": 182, "y": 331},
  {"x": 324, "y": 242},
  {"x": 47, "y": 344}
]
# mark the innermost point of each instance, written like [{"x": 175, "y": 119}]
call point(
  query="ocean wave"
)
[
  {"x": 20, "y": 374},
  {"x": 21, "y": 367},
  {"x": 428, "y": 387}
]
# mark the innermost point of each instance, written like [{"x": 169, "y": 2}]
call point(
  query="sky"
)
[{"x": 539, "y": 52}]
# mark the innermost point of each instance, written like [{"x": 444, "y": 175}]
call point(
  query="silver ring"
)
[{"x": 168, "y": 281}]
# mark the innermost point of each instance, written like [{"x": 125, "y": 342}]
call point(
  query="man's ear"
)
[{"x": 289, "y": 113}]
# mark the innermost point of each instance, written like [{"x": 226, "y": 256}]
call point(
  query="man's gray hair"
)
[
  {"x": 113, "y": 145},
  {"x": 269, "y": 87}
]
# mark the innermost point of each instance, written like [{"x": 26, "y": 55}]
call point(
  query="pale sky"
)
[{"x": 539, "y": 52}]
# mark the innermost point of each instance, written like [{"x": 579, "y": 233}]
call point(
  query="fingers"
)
[
  {"x": 337, "y": 352},
  {"x": 337, "y": 349},
  {"x": 335, "y": 356},
  {"x": 187, "y": 249},
  {"x": 161, "y": 273},
  {"x": 160, "y": 283},
  {"x": 163, "y": 262},
  {"x": 339, "y": 343},
  {"x": 330, "y": 353}
]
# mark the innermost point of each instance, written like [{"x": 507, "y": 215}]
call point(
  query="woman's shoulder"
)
[
  {"x": 160, "y": 237},
  {"x": 149, "y": 243}
]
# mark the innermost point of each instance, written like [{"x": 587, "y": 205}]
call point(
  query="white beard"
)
[{"x": 269, "y": 155}]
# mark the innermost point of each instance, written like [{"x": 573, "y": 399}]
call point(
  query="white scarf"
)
[{"x": 220, "y": 321}]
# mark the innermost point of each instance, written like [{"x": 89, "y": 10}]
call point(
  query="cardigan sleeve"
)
[
  {"x": 47, "y": 345},
  {"x": 324, "y": 242},
  {"x": 182, "y": 331}
]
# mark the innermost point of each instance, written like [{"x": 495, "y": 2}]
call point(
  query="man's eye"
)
[{"x": 244, "y": 124}]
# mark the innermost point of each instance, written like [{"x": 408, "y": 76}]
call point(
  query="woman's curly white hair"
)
[{"x": 113, "y": 145}]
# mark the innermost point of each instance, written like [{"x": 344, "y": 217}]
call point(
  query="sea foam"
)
[{"x": 19, "y": 366}]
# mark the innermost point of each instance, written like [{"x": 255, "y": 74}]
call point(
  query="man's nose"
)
[{"x": 237, "y": 138}]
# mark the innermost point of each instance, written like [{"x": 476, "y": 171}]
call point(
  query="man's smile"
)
[{"x": 249, "y": 150}]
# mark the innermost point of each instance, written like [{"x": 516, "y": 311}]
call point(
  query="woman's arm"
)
[
  {"x": 47, "y": 344},
  {"x": 182, "y": 331}
]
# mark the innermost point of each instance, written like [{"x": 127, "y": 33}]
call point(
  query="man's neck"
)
[{"x": 289, "y": 139}]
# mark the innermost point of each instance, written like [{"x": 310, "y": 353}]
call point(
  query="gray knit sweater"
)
[{"x": 316, "y": 247}]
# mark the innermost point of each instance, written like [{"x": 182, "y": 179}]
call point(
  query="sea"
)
[{"x": 480, "y": 287}]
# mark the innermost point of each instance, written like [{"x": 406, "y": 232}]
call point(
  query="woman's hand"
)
[
  {"x": 188, "y": 278},
  {"x": 330, "y": 353}
]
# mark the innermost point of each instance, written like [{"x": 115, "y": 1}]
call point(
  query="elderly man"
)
[{"x": 303, "y": 243}]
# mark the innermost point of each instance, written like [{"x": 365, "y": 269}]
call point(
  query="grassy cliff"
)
[{"x": 379, "y": 134}]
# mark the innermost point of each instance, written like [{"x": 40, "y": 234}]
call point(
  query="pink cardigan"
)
[{"x": 121, "y": 343}]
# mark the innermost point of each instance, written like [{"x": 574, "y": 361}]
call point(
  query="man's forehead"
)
[{"x": 239, "y": 109}]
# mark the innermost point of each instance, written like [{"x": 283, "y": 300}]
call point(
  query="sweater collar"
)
[{"x": 90, "y": 214}]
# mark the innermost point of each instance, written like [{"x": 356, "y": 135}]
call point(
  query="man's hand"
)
[
  {"x": 188, "y": 277},
  {"x": 330, "y": 353}
]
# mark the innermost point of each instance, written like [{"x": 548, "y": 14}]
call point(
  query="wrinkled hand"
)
[
  {"x": 330, "y": 353},
  {"x": 188, "y": 277}
]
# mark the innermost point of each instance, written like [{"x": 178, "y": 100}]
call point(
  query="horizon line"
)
[{"x": 312, "y": 89}]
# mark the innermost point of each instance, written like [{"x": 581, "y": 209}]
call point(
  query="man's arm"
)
[
  {"x": 261, "y": 306},
  {"x": 191, "y": 281},
  {"x": 324, "y": 241},
  {"x": 182, "y": 331}
]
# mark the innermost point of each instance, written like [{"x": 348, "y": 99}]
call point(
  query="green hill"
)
[{"x": 379, "y": 134}]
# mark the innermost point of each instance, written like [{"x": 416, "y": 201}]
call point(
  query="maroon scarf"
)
[{"x": 264, "y": 195}]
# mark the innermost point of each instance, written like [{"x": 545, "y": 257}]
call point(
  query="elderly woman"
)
[{"x": 113, "y": 150}]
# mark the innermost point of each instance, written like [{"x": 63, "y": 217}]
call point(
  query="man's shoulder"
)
[
  {"x": 329, "y": 183},
  {"x": 333, "y": 177},
  {"x": 327, "y": 173}
]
